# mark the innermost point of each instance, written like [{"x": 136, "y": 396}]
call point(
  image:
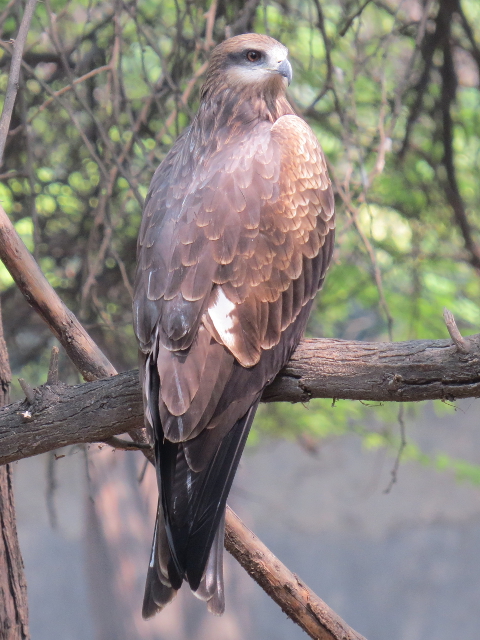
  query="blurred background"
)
[
  {"x": 391, "y": 88},
  {"x": 403, "y": 565}
]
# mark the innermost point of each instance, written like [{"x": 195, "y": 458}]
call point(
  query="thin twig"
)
[
  {"x": 6, "y": 12},
  {"x": 459, "y": 341},
  {"x": 69, "y": 87},
  {"x": 349, "y": 21},
  {"x": 210, "y": 17},
  {"x": 65, "y": 105},
  {"x": 14, "y": 75},
  {"x": 52, "y": 377},
  {"x": 27, "y": 390},
  {"x": 401, "y": 449},
  {"x": 126, "y": 445}
]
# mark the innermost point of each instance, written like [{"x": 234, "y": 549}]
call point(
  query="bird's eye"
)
[{"x": 253, "y": 56}]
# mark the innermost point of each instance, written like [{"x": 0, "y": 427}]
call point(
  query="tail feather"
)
[
  {"x": 211, "y": 498},
  {"x": 211, "y": 587},
  {"x": 189, "y": 532},
  {"x": 158, "y": 590}
]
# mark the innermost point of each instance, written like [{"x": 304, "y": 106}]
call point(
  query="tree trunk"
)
[{"x": 13, "y": 587}]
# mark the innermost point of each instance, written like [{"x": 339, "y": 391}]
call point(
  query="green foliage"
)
[{"x": 78, "y": 166}]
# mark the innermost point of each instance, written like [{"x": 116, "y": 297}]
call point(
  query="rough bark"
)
[
  {"x": 81, "y": 349},
  {"x": 299, "y": 602},
  {"x": 341, "y": 369},
  {"x": 64, "y": 415},
  {"x": 54, "y": 415},
  {"x": 380, "y": 371},
  {"x": 13, "y": 587}
]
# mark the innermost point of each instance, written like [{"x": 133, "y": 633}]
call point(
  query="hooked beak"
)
[{"x": 285, "y": 70}]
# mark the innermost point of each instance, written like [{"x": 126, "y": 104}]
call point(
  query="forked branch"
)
[{"x": 301, "y": 604}]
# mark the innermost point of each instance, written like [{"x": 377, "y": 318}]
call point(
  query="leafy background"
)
[{"x": 390, "y": 88}]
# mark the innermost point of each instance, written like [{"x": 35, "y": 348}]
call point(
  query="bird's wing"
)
[
  {"x": 235, "y": 242},
  {"x": 272, "y": 271}
]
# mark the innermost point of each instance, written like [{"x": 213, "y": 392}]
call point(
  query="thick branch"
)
[
  {"x": 29, "y": 437},
  {"x": 13, "y": 587},
  {"x": 341, "y": 369},
  {"x": 379, "y": 371},
  {"x": 64, "y": 415}
]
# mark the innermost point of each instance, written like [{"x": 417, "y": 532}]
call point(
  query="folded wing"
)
[{"x": 236, "y": 238}]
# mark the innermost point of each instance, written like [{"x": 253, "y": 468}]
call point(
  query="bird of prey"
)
[{"x": 236, "y": 237}]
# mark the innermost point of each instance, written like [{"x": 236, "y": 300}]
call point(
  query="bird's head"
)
[{"x": 248, "y": 61}]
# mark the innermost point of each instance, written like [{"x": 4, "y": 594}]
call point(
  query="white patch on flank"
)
[{"x": 220, "y": 313}]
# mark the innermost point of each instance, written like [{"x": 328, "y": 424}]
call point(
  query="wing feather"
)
[{"x": 236, "y": 238}]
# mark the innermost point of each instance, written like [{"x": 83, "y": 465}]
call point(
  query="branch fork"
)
[{"x": 24, "y": 438}]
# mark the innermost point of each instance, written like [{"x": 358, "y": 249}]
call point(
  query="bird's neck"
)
[{"x": 239, "y": 107}]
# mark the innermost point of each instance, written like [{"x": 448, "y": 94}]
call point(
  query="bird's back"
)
[{"x": 236, "y": 237}]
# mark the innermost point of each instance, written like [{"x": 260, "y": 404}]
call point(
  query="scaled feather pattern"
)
[{"x": 236, "y": 238}]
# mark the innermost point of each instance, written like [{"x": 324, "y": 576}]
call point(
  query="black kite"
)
[{"x": 236, "y": 237}]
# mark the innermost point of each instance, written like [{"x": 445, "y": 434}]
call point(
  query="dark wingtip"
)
[{"x": 157, "y": 594}]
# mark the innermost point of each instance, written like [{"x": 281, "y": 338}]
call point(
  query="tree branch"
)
[
  {"x": 23, "y": 436},
  {"x": 340, "y": 369},
  {"x": 284, "y": 587},
  {"x": 379, "y": 371},
  {"x": 13, "y": 586},
  {"x": 449, "y": 88},
  {"x": 12, "y": 85},
  {"x": 81, "y": 349}
]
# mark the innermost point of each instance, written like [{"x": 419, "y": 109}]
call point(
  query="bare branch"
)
[
  {"x": 6, "y": 12},
  {"x": 81, "y": 349},
  {"x": 449, "y": 87},
  {"x": 340, "y": 369},
  {"x": 460, "y": 342},
  {"x": 52, "y": 377},
  {"x": 378, "y": 371},
  {"x": 284, "y": 587},
  {"x": 69, "y": 87},
  {"x": 62, "y": 415},
  {"x": 243, "y": 23},
  {"x": 13, "y": 78}
]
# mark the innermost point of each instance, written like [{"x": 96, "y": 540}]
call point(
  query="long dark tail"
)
[
  {"x": 189, "y": 533},
  {"x": 158, "y": 590}
]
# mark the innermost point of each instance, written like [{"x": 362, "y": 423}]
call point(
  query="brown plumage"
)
[{"x": 236, "y": 237}]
